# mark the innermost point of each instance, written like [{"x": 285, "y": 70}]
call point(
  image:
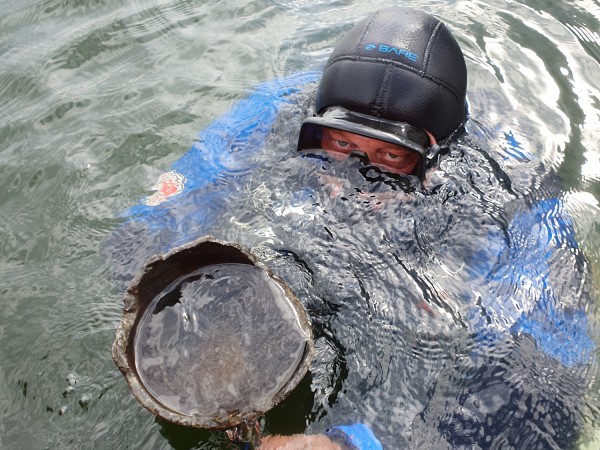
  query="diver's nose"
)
[{"x": 362, "y": 155}]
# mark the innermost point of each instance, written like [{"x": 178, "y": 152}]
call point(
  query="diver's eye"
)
[
  {"x": 342, "y": 146},
  {"x": 396, "y": 158},
  {"x": 392, "y": 156},
  {"x": 399, "y": 161}
]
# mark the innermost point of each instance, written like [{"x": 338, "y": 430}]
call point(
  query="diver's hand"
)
[{"x": 298, "y": 442}]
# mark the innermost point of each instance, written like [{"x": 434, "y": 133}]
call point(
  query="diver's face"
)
[{"x": 390, "y": 157}]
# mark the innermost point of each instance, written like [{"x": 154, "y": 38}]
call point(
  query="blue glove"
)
[{"x": 356, "y": 437}]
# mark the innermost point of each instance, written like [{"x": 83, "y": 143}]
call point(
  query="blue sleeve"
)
[
  {"x": 562, "y": 331},
  {"x": 226, "y": 146},
  {"x": 356, "y": 437},
  {"x": 189, "y": 197},
  {"x": 527, "y": 279}
]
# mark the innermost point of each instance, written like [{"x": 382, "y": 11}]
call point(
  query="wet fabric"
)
[
  {"x": 430, "y": 304},
  {"x": 356, "y": 436}
]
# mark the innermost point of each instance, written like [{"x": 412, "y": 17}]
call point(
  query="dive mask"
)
[{"x": 396, "y": 133}]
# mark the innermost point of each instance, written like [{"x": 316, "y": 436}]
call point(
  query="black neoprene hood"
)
[{"x": 399, "y": 64}]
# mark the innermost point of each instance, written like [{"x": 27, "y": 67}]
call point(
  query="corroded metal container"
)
[{"x": 211, "y": 338}]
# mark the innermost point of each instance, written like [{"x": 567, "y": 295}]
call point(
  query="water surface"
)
[{"x": 98, "y": 98}]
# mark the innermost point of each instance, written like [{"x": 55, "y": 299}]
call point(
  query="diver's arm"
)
[
  {"x": 191, "y": 195},
  {"x": 226, "y": 146},
  {"x": 535, "y": 275},
  {"x": 527, "y": 390},
  {"x": 520, "y": 399},
  {"x": 536, "y": 282},
  {"x": 298, "y": 442},
  {"x": 343, "y": 437},
  {"x": 547, "y": 261}
]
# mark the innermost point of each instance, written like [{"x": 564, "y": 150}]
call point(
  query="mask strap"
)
[{"x": 433, "y": 153}]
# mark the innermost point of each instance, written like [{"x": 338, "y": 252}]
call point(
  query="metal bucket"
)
[{"x": 210, "y": 338}]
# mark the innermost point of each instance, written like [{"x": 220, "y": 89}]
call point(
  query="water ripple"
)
[{"x": 99, "y": 98}]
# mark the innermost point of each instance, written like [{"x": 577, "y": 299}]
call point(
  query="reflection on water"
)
[
  {"x": 220, "y": 340},
  {"x": 554, "y": 47},
  {"x": 98, "y": 99}
]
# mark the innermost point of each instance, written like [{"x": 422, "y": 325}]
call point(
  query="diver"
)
[
  {"x": 391, "y": 104},
  {"x": 392, "y": 89}
]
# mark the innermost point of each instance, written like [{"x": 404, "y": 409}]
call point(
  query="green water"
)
[{"x": 98, "y": 98}]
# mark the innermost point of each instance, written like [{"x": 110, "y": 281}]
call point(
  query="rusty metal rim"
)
[{"x": 132, "y": 313}]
